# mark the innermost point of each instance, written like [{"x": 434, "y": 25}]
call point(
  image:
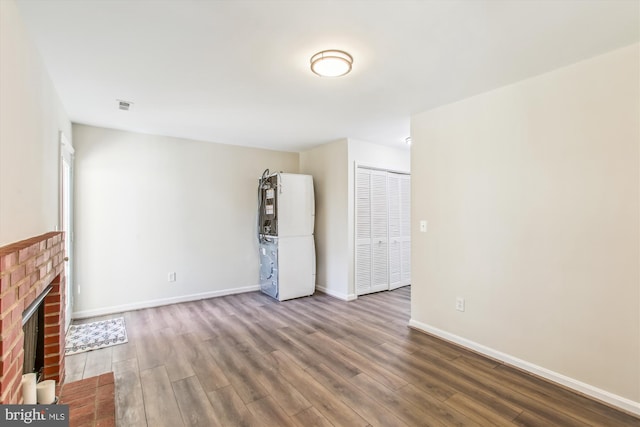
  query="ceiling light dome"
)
[{"x": 331, "y": 63}]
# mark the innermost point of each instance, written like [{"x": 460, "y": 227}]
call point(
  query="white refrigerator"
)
[{"x": 286, "y": 217}]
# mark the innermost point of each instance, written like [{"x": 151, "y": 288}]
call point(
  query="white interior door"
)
[
  {"x": 372, "y": 238},
  {"x": 395, "y": 231},
  {"x": 379, "y": 231},
  {"x": 66, "y": 208},
  {"x": 399, "y": 190},
  {"x": 363, "y": 231},
  {"x": 405, "y": 230}
]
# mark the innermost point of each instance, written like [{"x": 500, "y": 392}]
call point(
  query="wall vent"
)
[{"x": 124, "y": 105}]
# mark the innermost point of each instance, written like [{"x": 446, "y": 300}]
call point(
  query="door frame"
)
[
  {"x": 358, "y": 165},
  {"x": 66, "y": 220}
]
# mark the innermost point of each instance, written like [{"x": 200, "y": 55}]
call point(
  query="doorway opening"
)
[{"x": 382, "y": 230}]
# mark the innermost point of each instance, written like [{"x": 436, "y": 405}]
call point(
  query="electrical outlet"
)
[
  {"x": 172, "y": 276},
  {"x": 460, "y": 304},
  {"x": 423, "y": 226}
]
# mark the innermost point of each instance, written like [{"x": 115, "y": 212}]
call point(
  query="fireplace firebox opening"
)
[{"x": 33, "y": 329}]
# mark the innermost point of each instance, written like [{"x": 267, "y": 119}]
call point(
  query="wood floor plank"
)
[
  {"x": 223, "y": 305},
  {"x": 157, "y": 318},
  {"x": 478, "y": 412},
  {"x": 230, "y": 410},
  {"x": 136, "y": 323},
  {"x": 255, "y": 299},
  {"x": 209, "y": 316},
  {"x": 319, "y": 354},
  {"x": 161, "y": 407},
  {"x": 401, "y": 367},
  {"x": 186, "y": 317},
  {"x": 194, "y": 405},
  {"x": 244, "y": 305},
  {"x": 239, "y": 374},
  {"x": 311, "y": 418},
  {"x": 130, "y": 408},
  {"x": 270, "y": 316},
  {"x": 324, "y": 400},
  {"x": 233, "y": 330},
  {"x": 440, "y": 348},
  {"x": 361, "y": 342},
  {"x": 255, "y": 336},
  {"x": 288, "y": 397},
  {"x": 282, "y": 343},
  {"x": 177, "y": 359},
  {"x": 364, "y": 364},
  {"x": 375, "y": 316},
  {"x": 410, "y": 413},
  {"x": 528, "y": 419},
  {"x": 579, "y": 407},
  {"x": 280, "y": 316},
  {"x": 366, "y": 407},
  {"x": 465, "y": 381},
  {"x": 209, "y": 374},
  {"x": 269, "y": 412},
  {"x": 436, "y": 409},
  {"x": 152, "y": 349},
  {"x": 475, "y": 360},
  {"x": 318, "y": 320},
  {"x": 123, "y": 352},
  {"x": 486, "y": 389}
]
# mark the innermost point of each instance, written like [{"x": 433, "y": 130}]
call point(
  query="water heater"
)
[{"x": 286, "y": 217}]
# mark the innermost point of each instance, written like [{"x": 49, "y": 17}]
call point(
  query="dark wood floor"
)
[{"x": 247, "y": 360}]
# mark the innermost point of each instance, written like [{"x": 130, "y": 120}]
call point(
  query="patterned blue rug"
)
[{"x": 95, "y": 335}]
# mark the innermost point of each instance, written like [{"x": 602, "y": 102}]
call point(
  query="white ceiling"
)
[{"x": 237, "y": 72}]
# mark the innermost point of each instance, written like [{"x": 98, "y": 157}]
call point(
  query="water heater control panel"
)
[{"x": 269, "y": 206}]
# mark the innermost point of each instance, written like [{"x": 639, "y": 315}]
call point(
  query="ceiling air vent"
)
[{"x": 124, "y": 105}]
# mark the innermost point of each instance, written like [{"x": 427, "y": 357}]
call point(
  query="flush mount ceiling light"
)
[{"x": 331, "y": 63}]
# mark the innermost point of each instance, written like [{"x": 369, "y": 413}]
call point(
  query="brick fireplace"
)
[{"x": 27, "y": 268}]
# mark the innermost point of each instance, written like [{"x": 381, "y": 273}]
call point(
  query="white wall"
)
[
  {"x": 149, "y": 205},
  {"x": 333, "y": 168},
  {"x": 30, "y": 118},
  {"x": 328, "y": 165},
  {"x": 532, "y": 196}
]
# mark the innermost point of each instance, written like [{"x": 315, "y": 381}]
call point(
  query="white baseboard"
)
[
  {"x": 159, "y": 302},
  {"x": 612, "y": 399},
  {"x": 339, "y": 295}
]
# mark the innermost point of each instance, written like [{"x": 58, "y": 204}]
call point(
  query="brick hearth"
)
[
  {"x": 91, "y": 401},
  {"x": 26, "y": 269}
]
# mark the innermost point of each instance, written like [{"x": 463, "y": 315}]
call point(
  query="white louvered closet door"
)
[
  {"x": 405, "y": 229},
  {"x": 363, "y": 231},
  {"x": 383, "y": 230},
  {"x": 372, "y": 271},
  {"x": 395, "y": 231},
  {"x": 379, "y": 232}
]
